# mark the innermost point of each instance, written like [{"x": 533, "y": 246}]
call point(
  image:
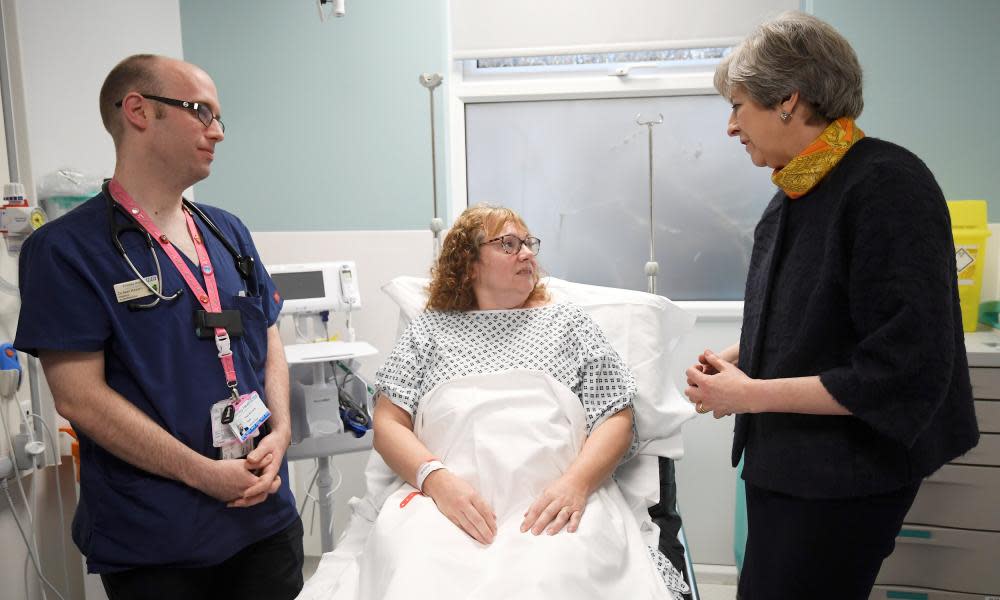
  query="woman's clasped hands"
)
[{"x": 717, "y": 386}]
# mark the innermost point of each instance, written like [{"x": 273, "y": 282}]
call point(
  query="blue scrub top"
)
[{"x": 127, "y": 517}]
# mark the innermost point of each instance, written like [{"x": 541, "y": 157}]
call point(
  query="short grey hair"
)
[{"x": 796, "y": 52}]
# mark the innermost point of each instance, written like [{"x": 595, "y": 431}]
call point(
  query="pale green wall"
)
[
  {"x": 931, "y": 83},
  {"x": 327, "y": 125}
]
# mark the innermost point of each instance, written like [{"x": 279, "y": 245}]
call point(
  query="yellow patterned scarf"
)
[{"x": 803, "y": 172}]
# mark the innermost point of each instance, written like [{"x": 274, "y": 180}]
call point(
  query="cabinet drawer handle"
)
[{"x": 920, "y": 534}]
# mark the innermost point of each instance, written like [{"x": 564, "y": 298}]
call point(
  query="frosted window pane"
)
[
  {"x": 605, "y": 58},
  {"x": 577, "y": 170}
]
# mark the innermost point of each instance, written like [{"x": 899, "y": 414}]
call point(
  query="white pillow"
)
[{"x": 643, "y": 328}]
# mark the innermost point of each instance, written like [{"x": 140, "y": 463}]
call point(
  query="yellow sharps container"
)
[{"x": 968, "y": 226}]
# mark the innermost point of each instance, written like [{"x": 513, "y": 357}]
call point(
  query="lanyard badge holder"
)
[
  {"x": 243, "y": 414},
  {"x": 236, "y": 419},
  {"x": 224, "y": 345}
]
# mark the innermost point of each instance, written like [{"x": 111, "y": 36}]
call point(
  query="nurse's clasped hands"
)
[
  {"x": 245, "y": 482},
  {"x": 265, "y": 460},
  {"x": 226, "y": 480}
]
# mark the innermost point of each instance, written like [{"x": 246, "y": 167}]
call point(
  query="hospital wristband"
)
[{"x": 426, "y": 469}]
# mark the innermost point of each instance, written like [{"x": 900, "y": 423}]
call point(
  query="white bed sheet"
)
[{"x": 509, "y": 434}]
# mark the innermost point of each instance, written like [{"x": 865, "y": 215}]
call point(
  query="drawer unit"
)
[
  {"x": 987, "y": 452},
  {"x": 895, "y": 592},
  {"x": 949, "y": 545},
  {"x": 959, "y": 496},
  {"x": 988, "y": 415},
  {"x": 985, "y": 383},
  {"x": 957, "y": 560}
]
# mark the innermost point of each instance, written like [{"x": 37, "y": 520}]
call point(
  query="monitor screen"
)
[{"x": 300, "y": 285}]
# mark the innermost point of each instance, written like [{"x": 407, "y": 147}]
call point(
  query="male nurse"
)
[{"x": 155, "y": 324}]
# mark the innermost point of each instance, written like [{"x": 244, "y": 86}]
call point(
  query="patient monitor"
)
[
  {"x": 311, "y": 291},
  {"x": 317, "y": 287}
]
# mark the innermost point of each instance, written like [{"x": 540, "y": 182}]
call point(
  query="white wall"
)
[{"x": 67, "y": 49}]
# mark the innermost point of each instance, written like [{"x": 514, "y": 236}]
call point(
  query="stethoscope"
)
[{"x": 244, "y": 264}]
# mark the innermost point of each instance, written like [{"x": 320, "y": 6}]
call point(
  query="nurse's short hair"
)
[
  {"x": 796, "y": 52},
  {"x": 137, "y": 73},
  {"x": 451, "y": 275}
]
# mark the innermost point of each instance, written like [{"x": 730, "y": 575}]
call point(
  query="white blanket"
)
[{"x": 509, "y": 435}]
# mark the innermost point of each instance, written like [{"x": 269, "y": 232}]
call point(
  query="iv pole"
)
[
  {"x": 652, "y": 267},
  {"x": 431, "y": 81}
]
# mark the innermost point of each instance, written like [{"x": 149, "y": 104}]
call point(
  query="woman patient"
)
[{"x": 509, "y": 413}]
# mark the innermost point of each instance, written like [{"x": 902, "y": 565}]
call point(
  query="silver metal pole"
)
[
  {"x": 324, "y": 487},
  {"x": 36, "y": 405},
  {"x": 6, "y": 94},
  {"x": 652, "y": 267},
  {"x": 431, "y": 81},
  {"x": 651, "y": 245}
]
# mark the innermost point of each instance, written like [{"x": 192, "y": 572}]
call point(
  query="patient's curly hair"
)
[{"x": 451, "y": 276}]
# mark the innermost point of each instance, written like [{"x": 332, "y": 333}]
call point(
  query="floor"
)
[
  {"x": 716, "y": 591},
  {"x": 309, "y": 566}
]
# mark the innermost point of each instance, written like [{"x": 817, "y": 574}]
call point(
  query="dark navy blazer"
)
[{"x": 856, "y": 282}]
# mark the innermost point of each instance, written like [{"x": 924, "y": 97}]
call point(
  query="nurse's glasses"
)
[
  {"x": 203, "y": 112},
  {"x": 511, "y": 244}
]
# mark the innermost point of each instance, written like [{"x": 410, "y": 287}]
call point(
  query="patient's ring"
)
[{"x": 700, "y": 408}]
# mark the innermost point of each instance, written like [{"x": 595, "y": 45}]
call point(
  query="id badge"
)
[
  {"x": 249, "y": 416},
  {"x": 222, "y": 435}
]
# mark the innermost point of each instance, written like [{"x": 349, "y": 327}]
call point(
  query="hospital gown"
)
[{"x": 559, "y": 339}]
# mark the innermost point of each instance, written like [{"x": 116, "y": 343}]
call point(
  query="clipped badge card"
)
[
  {"x": 250, "y": 415},
  {"x": 222, "y": 435}
]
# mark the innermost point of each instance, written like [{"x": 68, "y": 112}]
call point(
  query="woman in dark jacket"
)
[{"x": 852, "y": 382}]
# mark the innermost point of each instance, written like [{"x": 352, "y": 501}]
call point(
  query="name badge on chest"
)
[{"x": 127, "y": 291}]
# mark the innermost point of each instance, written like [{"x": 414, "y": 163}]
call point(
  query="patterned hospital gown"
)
[{"x": 559, "y": 339}]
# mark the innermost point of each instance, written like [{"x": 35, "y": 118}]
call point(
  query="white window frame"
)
[{"x": 460, "y": 90}]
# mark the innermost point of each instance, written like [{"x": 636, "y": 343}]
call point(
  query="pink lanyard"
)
[{"x": 210, "y": 300}]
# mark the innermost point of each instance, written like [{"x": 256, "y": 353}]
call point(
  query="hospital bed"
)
[{"x": 644, "y": 329}]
